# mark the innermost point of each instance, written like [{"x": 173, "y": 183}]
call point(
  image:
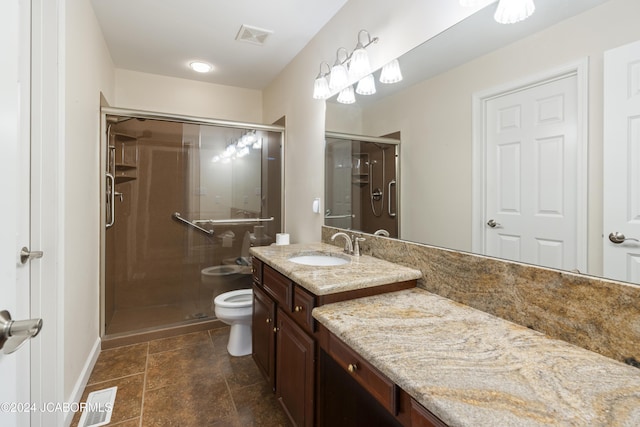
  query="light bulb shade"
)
[
  {"x": 512, "y": 11},
  {"x": 346, "y": 96},
  {"x": 338, "y": 78},
  {"x": 359, "y": 65},
  {"x": 366, "y": 85},
  {"x": 321, "y": 88},
  {"x": 391, "y": 73}
]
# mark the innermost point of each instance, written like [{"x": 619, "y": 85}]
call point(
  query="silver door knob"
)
[
  {"x": 14, "y": 333},
  {"x": 26, "y": 255},
  {"x": 617, "y": 238},
  {"x": 492, "y": 223}
]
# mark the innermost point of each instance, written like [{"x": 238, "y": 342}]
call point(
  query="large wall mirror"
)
[{"x": 435, "y": 111}]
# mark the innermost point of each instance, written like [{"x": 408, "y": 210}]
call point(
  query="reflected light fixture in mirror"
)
[
  {"x": 391, "y": 73},
  {"x": 512, "y": 11},
  {"x": 346, "y": 95},
  {"x": 366, "y": 85},
  {"x": 508, "y": 11}
]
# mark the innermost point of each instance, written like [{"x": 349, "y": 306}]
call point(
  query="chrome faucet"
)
[
  {"x": 348, "y": 246},
  {"x": 356, "y": 245},
  {"x": 351, "y": 244}
]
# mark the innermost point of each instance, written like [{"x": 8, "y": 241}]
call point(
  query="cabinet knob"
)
[
  {"x": 352, "y": 367},
  {"x": 298, "y": 308},
  {"x": 275, "y": 330},
  {"x": 268, "y": 320}
]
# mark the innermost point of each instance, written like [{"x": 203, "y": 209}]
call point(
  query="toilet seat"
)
[{"x": 235, "y": 299}]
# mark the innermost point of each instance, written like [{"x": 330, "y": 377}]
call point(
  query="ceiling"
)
[{"x": 162, "y": 37}]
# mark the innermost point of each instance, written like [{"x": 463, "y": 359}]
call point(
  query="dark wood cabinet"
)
[
  {"x": 421, "y": 417},
  {"x": 285, "y": 340},
  {"x": 295, "y": 370},
  {"x": 263, "y": 336}
]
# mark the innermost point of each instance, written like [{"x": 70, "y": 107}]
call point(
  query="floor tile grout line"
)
[
  {"x": 113, "y": 379},
  {"x": 144, "y": 385}
]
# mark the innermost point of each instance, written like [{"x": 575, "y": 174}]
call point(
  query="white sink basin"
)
[{"x": 319, "y": 259}]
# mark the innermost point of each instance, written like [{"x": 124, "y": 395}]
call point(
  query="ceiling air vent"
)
[{"x": 253, "y": 35}]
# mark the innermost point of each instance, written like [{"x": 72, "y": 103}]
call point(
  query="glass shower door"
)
[{"x": 187, "y": 202}]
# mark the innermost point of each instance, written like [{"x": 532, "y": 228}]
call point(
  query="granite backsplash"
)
[{"x": 594, "y": 313}]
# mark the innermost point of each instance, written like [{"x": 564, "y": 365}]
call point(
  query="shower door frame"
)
[
  {"x": 375, "y": 139},
  {"x": 179, "y": 118}
]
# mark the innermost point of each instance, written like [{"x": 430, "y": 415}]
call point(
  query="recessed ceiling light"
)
[{"x": 200, "y": 67}]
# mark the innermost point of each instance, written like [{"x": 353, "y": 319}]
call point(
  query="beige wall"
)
[
  {"x": 400, "y": 25},
  {"x": 152, "y": 92},
  {"x": 88, "y": 71},
  {"x": 435, "y": 120}
]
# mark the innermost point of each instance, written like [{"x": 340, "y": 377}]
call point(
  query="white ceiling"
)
[{"x": 163, "y": 36}]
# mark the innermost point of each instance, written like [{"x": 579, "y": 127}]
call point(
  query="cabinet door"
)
[
  {"x": 295, "y": 360},
  {"x": 263, "y": 336}
]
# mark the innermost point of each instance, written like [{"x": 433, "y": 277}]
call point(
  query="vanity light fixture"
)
[
  {"x": 321, "y": 85},
  {"x": 200, "y": 67},
  {"x": 391, "y": 73},
  {"x": 359, "y": 65},
  {"x": 347, "y": 67},
  {"x": 512, "y": 11},
  {"x": 339, "y": 76},
  {"x": 366, "y": 85},
  {"x": 346, "y": 95}
]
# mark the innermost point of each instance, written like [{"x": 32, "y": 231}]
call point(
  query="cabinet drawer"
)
[
  {"x": 256, "y": 269},
  {"x": 378, "y": 385},
  {"x": 303, "y": 303},
  {"x": 278, "y": 287}
]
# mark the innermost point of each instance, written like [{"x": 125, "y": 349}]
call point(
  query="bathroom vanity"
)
[
  {"x": 379, "y": 351},
  {"x": 286, "y": 336}
]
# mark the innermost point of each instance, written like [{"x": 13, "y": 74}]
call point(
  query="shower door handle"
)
[
  {"x": 391, "y": 214},
  {"x": 111, "y": 196}
]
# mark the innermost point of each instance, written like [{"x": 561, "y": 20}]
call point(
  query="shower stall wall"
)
[
  {"x": 361, "y": 183},
  {"x": 184, "y": 201}
]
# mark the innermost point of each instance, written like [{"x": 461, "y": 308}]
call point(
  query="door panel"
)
[
  {"x": 14, "y": 222},
  {"x": 621, "y": 196},
  {"x": 531, "y": 174}
]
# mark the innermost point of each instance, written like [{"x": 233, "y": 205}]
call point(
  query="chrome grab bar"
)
[
  {"x": 231, "y": 220},
  {"x": 391, "y": 214},
  {"x": 177, "y": 217},
  {"x": 339, "y": 216},
  {"x": 111, "y": 195}
]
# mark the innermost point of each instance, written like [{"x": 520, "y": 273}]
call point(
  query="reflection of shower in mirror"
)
[{"x": 360, "y": 187}]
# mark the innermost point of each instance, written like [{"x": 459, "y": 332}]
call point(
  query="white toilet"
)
[{"x": 235, "y": 308}]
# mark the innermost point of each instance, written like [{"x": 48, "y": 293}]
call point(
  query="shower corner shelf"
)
[
  {"x": 126, "y": 157},
  {"x": 360, "y": 178}
]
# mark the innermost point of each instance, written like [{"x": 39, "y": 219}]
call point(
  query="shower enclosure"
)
[
  {"x": 185, "y": 199},
  {"x": 361, "y": 183}
]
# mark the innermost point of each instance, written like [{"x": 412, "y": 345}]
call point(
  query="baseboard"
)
[{"x": 83, "y": 379}]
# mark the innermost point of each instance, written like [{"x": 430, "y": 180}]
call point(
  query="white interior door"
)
[
  {"x": 531, "y": 174},
  {"x": 621, "y": 212},
  {"x": 14, "y": 215}
]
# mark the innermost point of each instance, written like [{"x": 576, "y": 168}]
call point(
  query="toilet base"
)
[{"x": 239, "y": 340}]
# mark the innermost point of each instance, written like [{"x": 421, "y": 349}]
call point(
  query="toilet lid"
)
[{"x": 237, "y": 299}]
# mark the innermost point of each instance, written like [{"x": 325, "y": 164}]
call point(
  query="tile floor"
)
[{"x": 189, "y": 380}]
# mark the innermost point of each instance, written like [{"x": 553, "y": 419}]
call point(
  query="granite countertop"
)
[
  {"x": 360, "y": 272},
  {"x": 470, "y": 368}
]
